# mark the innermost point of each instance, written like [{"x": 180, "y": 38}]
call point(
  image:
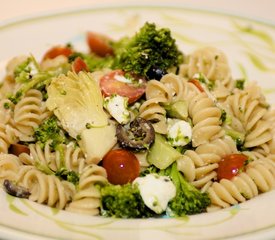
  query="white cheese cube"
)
[
  {"x": 179, "y": 132},
  {"x": 156, "y": 191}
]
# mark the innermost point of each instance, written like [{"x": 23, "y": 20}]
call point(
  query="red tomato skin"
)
[
  {"x": 57, "y": 51},
  {"x": 79, "y": 65},
  {"x": 197, "y": 84},
  {"x": 99, "y": 44},
  {"x": 109, "y": 86},
  {"x": 121, "y": 166},
  {"x": 231, "y": 165}
]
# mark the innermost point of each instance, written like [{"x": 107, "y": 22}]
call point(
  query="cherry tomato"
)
[
  {"x": 57, "y": 51},
  {"x": 121, "y": 166},
  {"x": 99, "y": 44},
  {"x": 110, "y": 85},
  {"x": 197, "y": 84},
  {"x": 79, "y": 65},
  {"x": 231, "y": 165}
]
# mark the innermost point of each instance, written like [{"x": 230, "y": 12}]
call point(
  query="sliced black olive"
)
[
  {"x": 137, "y": 135},
  {"x": 155, "y": 73},
  {"x": 14, "y": 190}
]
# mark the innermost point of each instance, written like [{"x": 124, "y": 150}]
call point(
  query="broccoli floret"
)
[
  {"x": 68, "y": 175},
  {"x": 189, "y": 200},
  {"x": 30, "y": 76},
  {"x": 23, "y": 72},
  {"x": 50, "y": 130},
  {"x": 123, "y": 201},
  {"x": 35, "y": 82},
  {"x": 149, "y": 48},
  {"x": 149, "y": 170},
  {"x": 240, "y": 83}
]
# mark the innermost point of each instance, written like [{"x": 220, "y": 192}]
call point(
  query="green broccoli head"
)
[
  {"x": 123, "y": 201},
  {"x": 68, "y": 175},
  {"x": 189, "y": 200},
  {"x": 149, "y": 48},
  {"x": 188, "y": 203},
  {"x": 50, "y": 130}
]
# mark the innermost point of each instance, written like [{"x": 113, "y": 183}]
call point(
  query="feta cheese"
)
[
  {"x": 156, "y": 191},
  {"x": 117, "y": 106},
  {"x": 179, "y": 132}
]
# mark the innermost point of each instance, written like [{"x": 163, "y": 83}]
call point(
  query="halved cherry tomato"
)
[
  {"x": 121, "y": 166},
  {"x": 231, "y": 165},
  {"x": 110, "y": 85},
  {"x": 57, "y": 51},
  {"x": 197, "y": 84},
  {"x": 79, "y": 65},
  {"x": 99, "y": 44}
]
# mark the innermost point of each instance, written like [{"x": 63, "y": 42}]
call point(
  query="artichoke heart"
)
[{"x": 76, "y": 100}]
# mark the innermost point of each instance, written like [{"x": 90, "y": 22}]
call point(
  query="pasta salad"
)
[{"x": 133, "y": 128}]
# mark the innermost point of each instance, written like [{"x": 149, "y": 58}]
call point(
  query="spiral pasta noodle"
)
[
  {"x": 39, "y": 156},
  {"x": 206, "y": 118},
  {"x": 68, "y": 156},
  {"x": 9, "y": 84},
  {"x": 247, "y": 106},
  {"x": 196, "y": 171},
  {"x": 87, "y": 198},
  {"x": 170, "y": 88},
  {"x": 268, "y": 148},
  {"x": 29, "y": 112},
  {"x": 5, "y": 139},
  {"x": 8, "y": 133},
  {"x": 9, "y": 167},
  {"x": 153, "y": 111},
  {"x": 46, "y": 189},
  {"x": 211, "y": 62},
  {"x": 257, "y": 177},
  {"x": 198, "y": 166}
]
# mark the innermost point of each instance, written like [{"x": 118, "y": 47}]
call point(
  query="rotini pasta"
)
[
  {"x": 9, "y": 167},
  {"x": 47, "y": 189},
  {"x": 28, "y": 114},
  {"x": 87, "y": 198},
  {"x": 249, "y": 108},
  {"x": 182, "y": 122},
  {"x": 257, "y": 178},
  {"x": 199, "y": 166},
  {"x": 68, "y": 156},
  {"x": 206, "y": 119},
  {"x": 211, "y": 62},
  {"x": 153, "y": 111}
]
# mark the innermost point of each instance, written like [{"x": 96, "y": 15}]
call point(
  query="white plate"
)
[{"x": 250, "y": 47}]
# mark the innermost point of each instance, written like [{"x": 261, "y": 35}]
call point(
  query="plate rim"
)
[{"x": 16, "y": 22}]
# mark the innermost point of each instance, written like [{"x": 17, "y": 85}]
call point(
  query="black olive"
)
[
  {"x": 14, "y": 190},
  {"x": 137, "y": 135},
  {"x": 155, "y": 73}
]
